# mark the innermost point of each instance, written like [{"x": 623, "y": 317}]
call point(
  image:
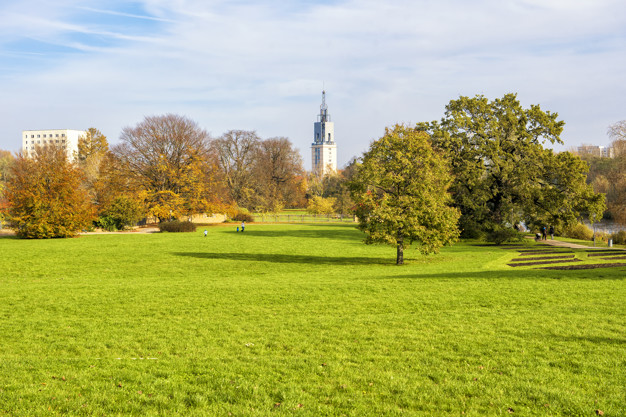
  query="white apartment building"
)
[
  {"x": 60, "y": 137},
  {"x": 601, "y": 151},
  {"x": 324, "y": 149}
]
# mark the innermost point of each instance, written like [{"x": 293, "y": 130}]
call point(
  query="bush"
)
[
  {"x": 243, "y": 217},
  {"x": 470, "y": 229},
  {"x": 501, "y": 234},
  {"x": 122, "y": 213},
  {"x": 578, "y": 231},
  {"x": 177, "y": 226},
  {"x": 619, "y": 238},
  {"x": 107, "y": 223}
]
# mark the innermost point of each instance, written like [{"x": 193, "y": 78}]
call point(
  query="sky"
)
[{"x": 262, "y": 65}]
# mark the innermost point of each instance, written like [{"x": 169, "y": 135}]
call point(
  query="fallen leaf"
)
[
  {"x": 510, "y": 410},
  {"x": 600, "y": 412}
]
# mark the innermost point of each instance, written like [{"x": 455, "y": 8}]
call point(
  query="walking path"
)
[{"x": 561, "y": 244}]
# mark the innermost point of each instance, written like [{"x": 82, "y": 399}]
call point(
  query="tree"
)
[
  {"x": 563, "y": 195},
  {"x": 46, "y": 197},
  {"x": 236, "y": 151},
  {"x": 93, "y": 143},
  {"x": 401, "y": 193},
  {"x": 617, "y": 130},
  {"x": 321, "y": 205},
  {"x": 6, "y": 161},
  {"x": 165, "y": 156},
  {"x": 278, "y": 175},
  {"x": 500, "y": 165}
]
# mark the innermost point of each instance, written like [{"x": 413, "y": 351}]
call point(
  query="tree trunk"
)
[
  {"x": 400, "y": 248},
  {"x": 400, "y": 257}
]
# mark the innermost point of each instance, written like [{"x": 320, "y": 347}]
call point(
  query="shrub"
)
[
  {"x": 123, "y": 212},
  {"x": 578, "y": 231},
  {"x": 243, "y": 217},
  {"x": 470, "y": 229},
  {"x": 619, "y": 238},
  {"x": 500, "y": 234},
  {"x": 107, "y": 223},
  {"x": 177, "y": 226},
  {"x": 321, "y": 205}
]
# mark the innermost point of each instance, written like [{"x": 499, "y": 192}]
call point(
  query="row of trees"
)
[
  {"x": 479, "y": 171},
  {"x": 608, "y": 175},
  {"x": 165, "y": 166},
  {"x": 483, "y": 165}
]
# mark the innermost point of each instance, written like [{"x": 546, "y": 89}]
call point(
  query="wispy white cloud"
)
[{"x": 261, "y": 65}]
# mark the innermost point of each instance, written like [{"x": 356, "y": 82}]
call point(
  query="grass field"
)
[{"x": 302, "y": 320}]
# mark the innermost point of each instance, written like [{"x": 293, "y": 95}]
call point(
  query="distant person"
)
[
  {"x": 544, "y": 235},
  {"x": 205, "y": 232},
  {"x": 243, "y": 226},
  {"x": 237, "y": 229},
  {"x": 552, "y": 232}
]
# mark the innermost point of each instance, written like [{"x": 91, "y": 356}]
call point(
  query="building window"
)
[
  {"x": 57, "y": 135},
  {"x": 32, "y": 136},
  {"x": 63, "y": 135},
  {"x": 38, "y": 136}
]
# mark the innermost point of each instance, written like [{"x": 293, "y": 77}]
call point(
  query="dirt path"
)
[
  {"x": 139, "y": 230},
  {"x": 560, "y": 244}
]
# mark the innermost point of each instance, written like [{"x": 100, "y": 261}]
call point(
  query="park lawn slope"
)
[{"x": 301, "y": 320}]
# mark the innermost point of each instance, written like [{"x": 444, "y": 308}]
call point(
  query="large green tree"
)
[
  {"x": 400, "y": 190},
  {"x": 501, "y": 168},
  {"x": 45, "y": 195}
]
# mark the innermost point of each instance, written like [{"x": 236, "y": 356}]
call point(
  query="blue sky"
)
[{"x": 261, "y": 65}]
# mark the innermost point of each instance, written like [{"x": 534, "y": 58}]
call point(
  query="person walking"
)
[
  {"x": 243, "y": 225},
  {"x": 205, "y": 232},
  {"x": 544, "y": 235},
  {"x": 552, "y": 232}
]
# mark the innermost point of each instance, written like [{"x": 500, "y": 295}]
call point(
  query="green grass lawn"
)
[{"x": 302, "y": 320}]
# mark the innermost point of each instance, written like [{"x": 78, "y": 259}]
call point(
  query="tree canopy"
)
[
  {"x": 400, "y": 190},
  {"x": 165, "y": 157},
  {"x": 503, "y": 174},
  {"x": 46, "y": 197}
]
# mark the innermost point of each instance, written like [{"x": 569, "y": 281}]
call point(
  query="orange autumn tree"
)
[
  {"x": 165, "y": 159},
  {"x": 45, "y": 195}
]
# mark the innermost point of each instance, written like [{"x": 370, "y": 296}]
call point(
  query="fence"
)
[{"x": 302, "y": 218}]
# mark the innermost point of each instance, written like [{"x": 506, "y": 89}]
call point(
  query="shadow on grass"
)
[{"x": 289, "y": 259}]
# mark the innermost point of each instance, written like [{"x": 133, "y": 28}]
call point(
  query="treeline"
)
[
  {"x": 608, "y": 175},
  {"x": 165, "y": 167},
  {"x": 498, "y": 175}
]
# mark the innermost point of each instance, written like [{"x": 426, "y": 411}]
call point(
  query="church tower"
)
[{"x": 324, "y": 150}]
